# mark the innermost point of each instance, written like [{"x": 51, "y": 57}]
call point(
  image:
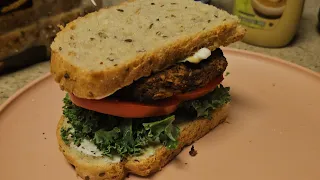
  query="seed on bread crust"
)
[
  {"x": 102, "y": 174},
  {"x": 128, "y": 40},
  {"x": 90, "y": 94},
  {"x": 66, "y": 76}
]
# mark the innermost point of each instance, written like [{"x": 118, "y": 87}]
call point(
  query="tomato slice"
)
[
  {"x": 127, "y": 109},
  {"x": 200, "y": 91}
]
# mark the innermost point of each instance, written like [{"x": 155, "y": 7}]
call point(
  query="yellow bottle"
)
[{"x": 269, "y": 23}]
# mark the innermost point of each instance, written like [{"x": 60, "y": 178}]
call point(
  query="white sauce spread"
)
[
  {"x": 88, "y": 148},
  {"x": 202, "y": 54},
  {"x": 147, "y": 152},
  {"x": 91, "y": 149}
]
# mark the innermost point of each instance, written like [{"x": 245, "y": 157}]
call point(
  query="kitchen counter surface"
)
[{"x": 304, "y": 50}]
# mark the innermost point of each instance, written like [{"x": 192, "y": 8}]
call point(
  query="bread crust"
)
[
  {"x": 94, "y": 168},
  {"x": 100, "y": 84}
]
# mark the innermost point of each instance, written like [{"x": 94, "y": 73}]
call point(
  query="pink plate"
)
[{"x": 272, "y": 132}]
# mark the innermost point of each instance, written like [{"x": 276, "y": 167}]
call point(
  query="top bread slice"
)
[{"x": 95, "y": 55}]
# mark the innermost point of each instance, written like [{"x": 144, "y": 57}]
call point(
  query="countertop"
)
[{"x": 304, "y": 50}]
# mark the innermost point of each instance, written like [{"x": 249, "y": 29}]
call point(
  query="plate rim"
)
[
  {"x": 265, "y": 57},
  {"x": 273, "y": 59}
]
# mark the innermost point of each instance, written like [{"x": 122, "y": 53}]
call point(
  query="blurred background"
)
[{"x": 288, "y": 29}]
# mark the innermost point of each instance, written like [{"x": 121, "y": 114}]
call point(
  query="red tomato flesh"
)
[
  {"x": 127, "y": 109},
  {"x": 200, "y": 91}
]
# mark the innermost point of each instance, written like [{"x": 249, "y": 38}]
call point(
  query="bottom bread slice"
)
[{"x": 103, "y": 168}]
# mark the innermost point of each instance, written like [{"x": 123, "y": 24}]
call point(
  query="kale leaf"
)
[
  {"x": 115, "y": 135},
  {"x": 64, "y": 135},
  {"x": 123, "y": 136},
  {"x": 205, "y": 105},
  {"x": 83, "y": 121},
  {"x": 163, "y": 131}
]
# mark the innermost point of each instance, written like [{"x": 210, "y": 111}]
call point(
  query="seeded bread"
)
[
  {"x": 96, "y": 168},
  {"x": 95, "y": 55}
]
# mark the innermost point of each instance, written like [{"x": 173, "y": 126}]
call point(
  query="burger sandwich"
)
[{"x": 143, "y": 80}]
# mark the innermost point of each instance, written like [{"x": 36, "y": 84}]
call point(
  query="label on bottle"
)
[{"x": 260, "y": 14}]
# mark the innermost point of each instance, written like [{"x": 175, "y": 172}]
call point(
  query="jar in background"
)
[{"x": 269, "y": 23}]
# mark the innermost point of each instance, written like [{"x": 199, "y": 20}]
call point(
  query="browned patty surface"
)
[{"x": 181, "y": 78}]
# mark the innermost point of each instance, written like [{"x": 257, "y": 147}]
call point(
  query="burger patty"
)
[{"x": 180, "y": 78}]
